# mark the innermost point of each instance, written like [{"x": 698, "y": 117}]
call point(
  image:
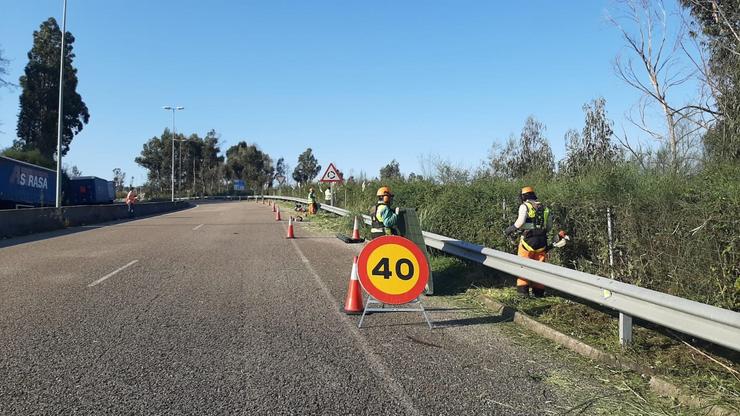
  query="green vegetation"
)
[
  {"x": 39, "y": 100},
  {"x": 33, "y": 156},
  {"x": 674, "y": 234},
  {"x": 308, "y": 167}
]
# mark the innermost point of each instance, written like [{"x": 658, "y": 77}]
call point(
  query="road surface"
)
[{"x": 211, "y": 310}]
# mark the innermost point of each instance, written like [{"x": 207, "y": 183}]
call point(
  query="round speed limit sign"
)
[{"x": 393, "y": 270}]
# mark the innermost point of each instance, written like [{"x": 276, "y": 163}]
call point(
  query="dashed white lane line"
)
[
  {"x": 375, "y": 362},
  {"x": 197, "y": 227},
  {"x": 113, "y": 273}
]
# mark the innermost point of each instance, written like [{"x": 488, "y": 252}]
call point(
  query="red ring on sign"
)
[{"x": 388, "y": 298}]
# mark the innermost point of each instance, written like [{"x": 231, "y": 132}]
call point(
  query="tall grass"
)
[{"x": 674, "y": 234}]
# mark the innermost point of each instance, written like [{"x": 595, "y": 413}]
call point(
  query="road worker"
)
[
  {"x": 312, "y": 208},
  {"x": 535, "y": 222},
  {"x": 384, "y": 218},
  {"x": 131, "y": 199},
  {"x": 327, "y": 196}
]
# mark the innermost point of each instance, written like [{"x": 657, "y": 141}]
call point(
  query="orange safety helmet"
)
[
  {"x": 385, "y": 193},
  {"x": 527, "y": 190},
  {"x": 527, "y": 193}
]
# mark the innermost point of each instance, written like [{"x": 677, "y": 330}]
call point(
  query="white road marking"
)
[
  {"x": 111, "y": 274},
  {"x": 376, "y": 363},
  {"x": 196, "y": 228}
]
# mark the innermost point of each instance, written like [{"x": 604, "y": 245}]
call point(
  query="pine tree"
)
[{"x": 39, "y": 99}]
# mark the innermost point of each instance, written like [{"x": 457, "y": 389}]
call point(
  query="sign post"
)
[
  {"x": 332, "y": 176},
  {"x": 281, "y": 180},
  {"x": 393, "y": 271}
]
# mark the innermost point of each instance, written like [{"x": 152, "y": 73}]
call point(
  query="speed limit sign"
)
[{"x": 393, "y": 270}]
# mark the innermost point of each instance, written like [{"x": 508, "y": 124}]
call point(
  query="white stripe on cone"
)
[
  {"x": 355, "y": 275},
  {"x": 356, "y": 229}
]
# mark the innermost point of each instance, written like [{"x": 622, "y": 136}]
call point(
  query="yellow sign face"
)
[{"x": 393, "y": 269}]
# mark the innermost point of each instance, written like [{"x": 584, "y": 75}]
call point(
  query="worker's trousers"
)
[{"x": 534, "y": 255}]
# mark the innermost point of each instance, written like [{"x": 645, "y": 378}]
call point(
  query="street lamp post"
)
[
  {"x": 60, "y": 109},
  {"x": 173, "y": 109}
]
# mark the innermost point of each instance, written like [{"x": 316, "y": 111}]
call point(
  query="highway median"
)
[{"x": 19, "y": 222}]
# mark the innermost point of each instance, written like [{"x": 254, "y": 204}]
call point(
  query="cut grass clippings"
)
[{"x": 658, "y": 351}]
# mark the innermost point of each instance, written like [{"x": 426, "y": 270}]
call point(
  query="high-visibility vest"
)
[
  {"x": 534, "y": 236},
  {"x": 377, "y": 228}
]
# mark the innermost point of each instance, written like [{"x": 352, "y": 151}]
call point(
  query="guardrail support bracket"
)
[{"x": 625, "y": 329}]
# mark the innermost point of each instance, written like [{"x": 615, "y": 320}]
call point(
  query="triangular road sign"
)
[{"x": 331, "y": 174}]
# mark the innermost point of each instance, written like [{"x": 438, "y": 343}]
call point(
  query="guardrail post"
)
[{"x": 625, "y": 329}]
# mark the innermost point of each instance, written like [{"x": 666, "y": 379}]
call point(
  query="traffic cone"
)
[
  {"x": 356, "y": 230},
  {"x": 353, "y": 301},
  {"x": 290, "y": 228},
  {"x": 273, "y": 207},
  {"x": 277, "y": 214}
]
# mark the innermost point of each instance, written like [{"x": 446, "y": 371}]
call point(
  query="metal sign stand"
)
[{"x": 382, "y": 308}]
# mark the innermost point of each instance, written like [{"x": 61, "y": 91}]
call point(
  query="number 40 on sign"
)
[{"x": 393, "y": 270}]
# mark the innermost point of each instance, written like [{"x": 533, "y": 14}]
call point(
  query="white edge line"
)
[
  {"x": 375, "y": 362},
  {"x": 197, "y": 227},
  {"x": 102, "y": 279}
]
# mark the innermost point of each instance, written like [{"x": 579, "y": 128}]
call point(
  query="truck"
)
[
  {"x": 23, "y": 185},
  {"x": 89, "y": 190}
]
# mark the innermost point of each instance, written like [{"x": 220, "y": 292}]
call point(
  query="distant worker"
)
[
  {"x": 327, "y": 196},
  {"x": 312, "y": 208},
  {"x": 384, "y": 218},
  {"x": 535, "y": 222},
  {"x": 131, "y": 199}
]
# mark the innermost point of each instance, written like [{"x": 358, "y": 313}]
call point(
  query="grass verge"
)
[{"x": 706, "y": 371}]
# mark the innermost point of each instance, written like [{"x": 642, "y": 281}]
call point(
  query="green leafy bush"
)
[{"x": 672, "y": 233}]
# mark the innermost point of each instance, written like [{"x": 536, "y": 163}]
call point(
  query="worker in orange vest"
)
[
  {"x": 312, "y": 206},
  {"x": 131, "y": 199},
  {"x": 384, "y": 218},
  {"x": 535, "y": 222}
]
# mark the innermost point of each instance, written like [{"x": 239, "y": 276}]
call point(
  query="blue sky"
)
[{"x": 360, "y": 82}]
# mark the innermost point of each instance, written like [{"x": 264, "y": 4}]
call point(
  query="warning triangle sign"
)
[{"x": 331, "y": 174}]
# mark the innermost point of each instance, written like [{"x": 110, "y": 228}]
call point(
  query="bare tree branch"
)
[{"x": 648, "y": 39}]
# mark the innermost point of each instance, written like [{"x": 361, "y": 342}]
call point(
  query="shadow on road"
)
[{"x": 30, "y": 238}]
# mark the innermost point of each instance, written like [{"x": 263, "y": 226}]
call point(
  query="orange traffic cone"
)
[
  {"x": 273, "y": 207},
  {"x": 291, "y": 234},
  {"x": 353, "y": 301},
  {"x": 277, "y": 214},
  {"x": 356, "y": 230}
]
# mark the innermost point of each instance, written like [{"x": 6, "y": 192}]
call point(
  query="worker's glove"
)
[
  {"x": 510, "y": 230},
  {"x": 398, "y": 210},
  {"x": 560, "y": 240}
]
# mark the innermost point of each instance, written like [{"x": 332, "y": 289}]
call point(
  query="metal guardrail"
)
[{"x": 720, "y": 326}]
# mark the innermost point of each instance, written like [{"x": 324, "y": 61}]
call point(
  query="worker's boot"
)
[
  {"x": 538, "y": 292},
  {"x": 523, "y": 291}
]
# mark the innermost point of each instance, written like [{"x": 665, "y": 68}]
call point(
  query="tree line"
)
[
  {"x": 37, "y": 124},
  {"x": 664, "y": 50},
  {"x": 201, "y": 168},
  {"x": 659, "y": 56}
]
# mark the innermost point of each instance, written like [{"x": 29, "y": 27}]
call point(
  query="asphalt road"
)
[{"x": 215, "y": 312}]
